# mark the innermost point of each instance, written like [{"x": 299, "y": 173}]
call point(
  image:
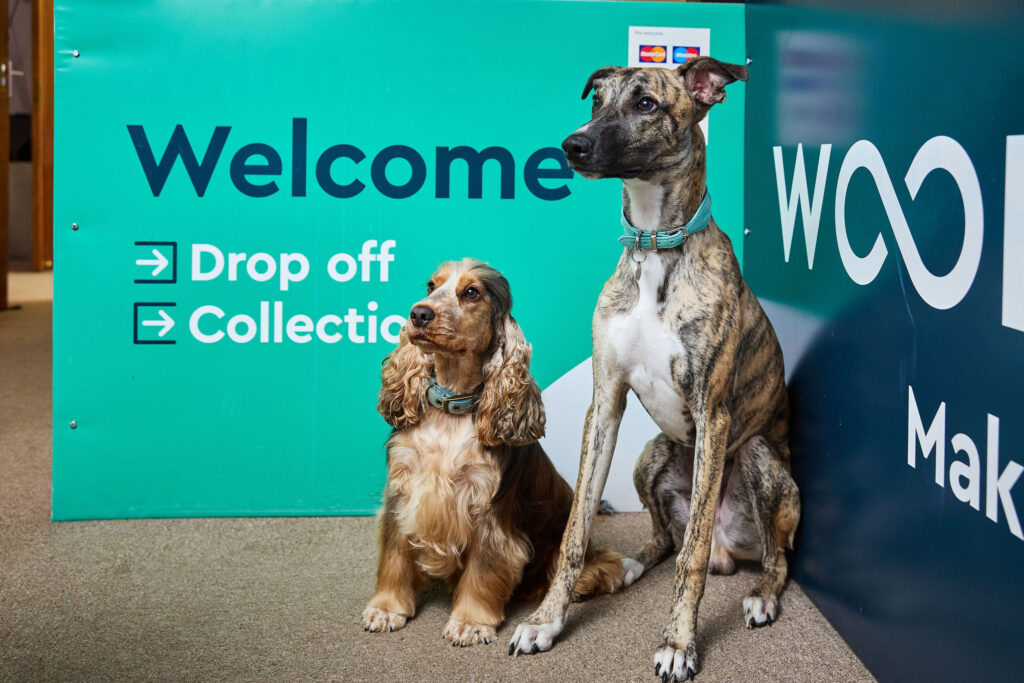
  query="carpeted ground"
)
[{"x": 280, "y": 599}]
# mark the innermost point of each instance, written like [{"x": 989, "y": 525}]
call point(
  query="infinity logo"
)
[
  {"x": 939, "y": 153},
  {"x": 944, "y": 153}
]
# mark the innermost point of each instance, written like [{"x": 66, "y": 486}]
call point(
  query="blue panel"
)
[{"x": 919, "y": 570}]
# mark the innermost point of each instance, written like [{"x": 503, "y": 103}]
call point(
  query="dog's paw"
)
[
  {"x": 757, "y": 612},
  {"x": 673, "y": 664},
  {"x": 533, "y": 638},
  {"x": 377, "y": 620},
  {"x": 465, "y": 633},
  {"x": 631, "y": 571}
]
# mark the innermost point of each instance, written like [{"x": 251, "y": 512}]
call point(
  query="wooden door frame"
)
[
  {"x": 5, "y": 161},
  {"x": 42, "y": 134}
]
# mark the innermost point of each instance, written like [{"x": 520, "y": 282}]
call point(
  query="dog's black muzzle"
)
[{"x": 598, "y": 154}]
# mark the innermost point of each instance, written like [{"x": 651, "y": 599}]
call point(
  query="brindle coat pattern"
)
[{"x": 731, "y": 461}]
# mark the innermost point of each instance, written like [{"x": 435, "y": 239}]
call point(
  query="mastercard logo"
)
[{"x": 653, "y": 53}]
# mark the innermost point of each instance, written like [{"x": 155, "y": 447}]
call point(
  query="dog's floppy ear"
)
[
  {"x": 705, "y": 78},
  {"x": 600, "y": 73},
  {"x": 402, "y": 379},
  {"x": 510, "y": 410}
]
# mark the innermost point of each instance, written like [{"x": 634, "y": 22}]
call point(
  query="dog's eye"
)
[
  {"x": 597, "y": 101},
  {"x": 471, "y": 294},
  {"x": 646, "y": 105},
  {"x": 430, "y": 287}
]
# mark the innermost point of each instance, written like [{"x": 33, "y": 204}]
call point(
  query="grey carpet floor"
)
[{"x": 280, "y": 599}]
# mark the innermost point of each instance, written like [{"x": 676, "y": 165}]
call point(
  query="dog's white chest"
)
[{"x": 646, "y": 349}]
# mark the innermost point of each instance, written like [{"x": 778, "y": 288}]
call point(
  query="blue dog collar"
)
[
  {"x": 448, "y": 401},
  {"x": 642, "y": 239}
]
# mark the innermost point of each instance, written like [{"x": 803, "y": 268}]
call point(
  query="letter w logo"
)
[
  {"x": 178, "y": 146},
  {"x": 798, "y": 196}
]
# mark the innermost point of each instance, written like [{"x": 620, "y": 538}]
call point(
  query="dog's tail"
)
[
  {"x": 602, "y": 573},
  {"x": 538, "y": 500}
]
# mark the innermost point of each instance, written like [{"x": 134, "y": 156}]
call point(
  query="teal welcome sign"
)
[{"x": 249, "y": 198}]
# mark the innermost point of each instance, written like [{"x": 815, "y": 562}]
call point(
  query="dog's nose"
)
[
  {"x": 577, "y": 146},
  {"x": 421, "y": 315}
]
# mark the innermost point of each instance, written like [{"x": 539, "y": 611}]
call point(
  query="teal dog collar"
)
[
  {"x": 642, "y": 239},
  {"x": 448, "y": 401}
]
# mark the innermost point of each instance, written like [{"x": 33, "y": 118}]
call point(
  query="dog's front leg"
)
[
  {"x": 398, "y": 579},
  {"x": 493, "y": 568},
  {"x": 676, "y": 659},
  {"x": 600, "y": 430}
]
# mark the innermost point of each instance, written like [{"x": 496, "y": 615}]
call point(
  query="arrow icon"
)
[
  {"x": 166, "y": 322},
  {"x": 159, "y": 263}
]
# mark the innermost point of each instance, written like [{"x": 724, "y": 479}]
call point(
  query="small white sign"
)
[{"x": 668, "y": 47}]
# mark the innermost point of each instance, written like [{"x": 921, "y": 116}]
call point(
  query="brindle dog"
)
[{"x": 681, "y": 329}]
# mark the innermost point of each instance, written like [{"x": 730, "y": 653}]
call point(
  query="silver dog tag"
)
[{"x": 638, "y": 261}]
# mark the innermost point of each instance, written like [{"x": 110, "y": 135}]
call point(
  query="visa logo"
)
[
  {"x": 681, "y": 54},
  {"x": 653, "y": 53}
]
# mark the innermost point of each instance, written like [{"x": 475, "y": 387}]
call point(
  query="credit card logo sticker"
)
[
  {"x": 680, "y": 55},
  {"x": 653, "y": 53}
]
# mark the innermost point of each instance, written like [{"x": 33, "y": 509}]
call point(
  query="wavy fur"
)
[
  {"x": 510, "y": 409},
  {"x": 403, "y": 378}
]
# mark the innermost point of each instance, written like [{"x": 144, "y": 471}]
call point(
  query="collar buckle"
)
[
  {"x": 668, "y": 238},
  {"x": 453, "y": 404}
]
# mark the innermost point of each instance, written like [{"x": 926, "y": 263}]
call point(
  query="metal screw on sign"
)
[
  {"x": 73, "y": 425},
  {"x": 74, "y": 226},
  {"x": 74, "y": 53}
]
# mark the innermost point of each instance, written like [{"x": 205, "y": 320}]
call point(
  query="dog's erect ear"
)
[
  {"x": 706, "y": 78},
  {"x": 510, "y": 409},
  {"x": 600, "y": 73},
  {"x": 402, "y": 396}
]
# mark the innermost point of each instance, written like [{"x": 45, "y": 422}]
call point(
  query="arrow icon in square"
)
[
  {"x": 139, "y": 323},
  {"x": 165, "y": 322},
  {"x": 158, "y": 263}
]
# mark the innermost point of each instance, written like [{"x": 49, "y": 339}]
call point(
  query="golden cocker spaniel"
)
[{"x": 471, "y": 498}]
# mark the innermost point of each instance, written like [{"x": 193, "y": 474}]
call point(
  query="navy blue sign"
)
[{"x": 885, "y": 204}]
